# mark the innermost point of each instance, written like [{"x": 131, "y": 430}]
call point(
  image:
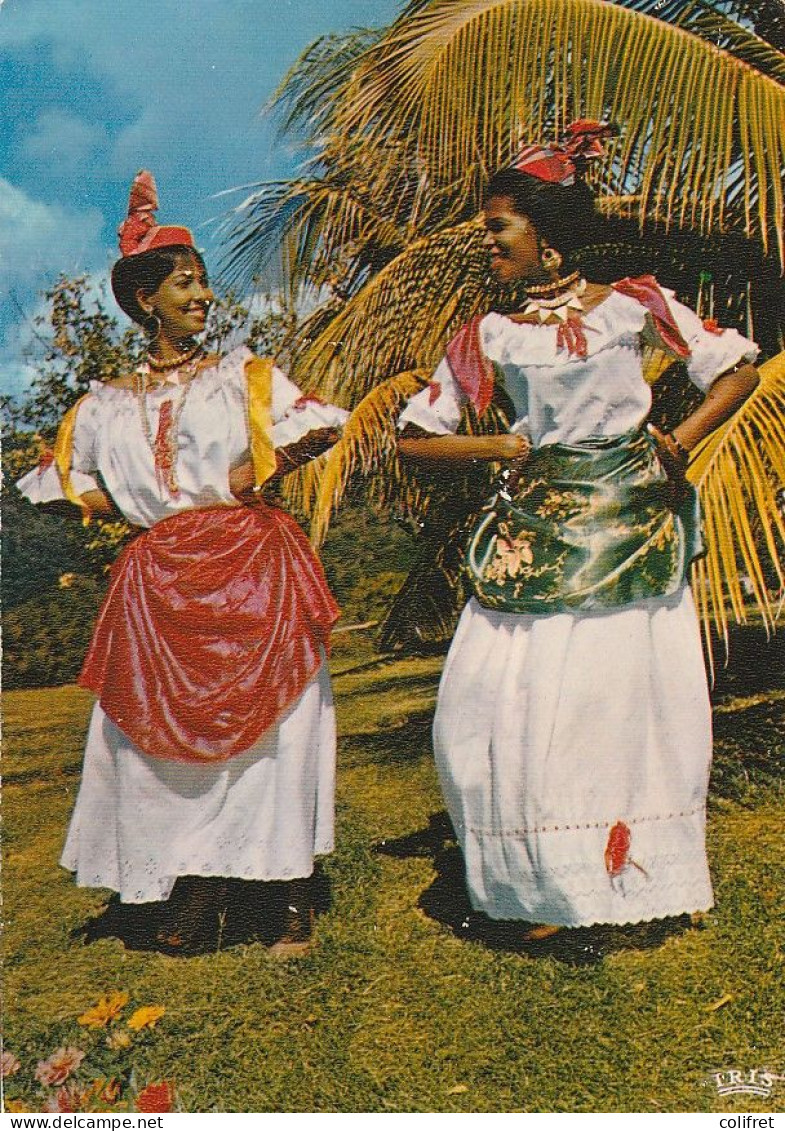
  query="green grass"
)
[{"x": 407, "y": 1003}]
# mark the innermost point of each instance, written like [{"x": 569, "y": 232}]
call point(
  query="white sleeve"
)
[
  {"x": 296, "y": 414},
  {"x": 712, "y": 352},
  {"x": 437, "y": 407},
  {"x": 43, "y": 484}
]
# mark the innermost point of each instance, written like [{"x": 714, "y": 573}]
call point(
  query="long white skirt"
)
[
  {"x": 140, "y": 822},
  {"x": 551, "y": 729}
]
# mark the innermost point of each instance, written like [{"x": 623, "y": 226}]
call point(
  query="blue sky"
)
[{"x": 93, "y": 90}]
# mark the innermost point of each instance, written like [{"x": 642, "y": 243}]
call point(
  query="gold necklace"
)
[
  {"x": 175, "y": 362},
  {"x": 557, "y": 298}
]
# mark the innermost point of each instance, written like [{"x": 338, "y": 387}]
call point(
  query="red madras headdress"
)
[
  {"x": 139, "y": 231},
  {"x": 558, "y": 163}
]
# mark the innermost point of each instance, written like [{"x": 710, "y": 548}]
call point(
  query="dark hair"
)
[
  {"x": 146, "y": 271},
  {"x": 564, "y": 215}
]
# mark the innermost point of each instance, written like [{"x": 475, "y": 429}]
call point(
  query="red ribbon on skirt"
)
[{"x": 212, "y": 626}]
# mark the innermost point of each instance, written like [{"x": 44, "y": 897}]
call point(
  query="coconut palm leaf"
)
[
  {"x": 307, "y": 95},
  {"x": 400, "y": 319},
  {"x": 425, "y": 608},
  {"x": 306, "y": 231},
  {"x": 738, "y": 471},
  {"x": 468, "y": 80},
  {"x": 721, "y": 23},
  {"x": 368, "y": 448}
]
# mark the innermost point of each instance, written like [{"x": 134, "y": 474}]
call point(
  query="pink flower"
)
[
  {"x": 64, "y": 1100},
  {"x": 56, "y": 1070},
  {"x": 8, "y": 1065}
]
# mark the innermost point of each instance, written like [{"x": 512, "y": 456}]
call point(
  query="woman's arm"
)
[
  {"x": 725, "y": 396},
  {"x": 313, "y": 444},
  {"x": 463, "y": 449}
]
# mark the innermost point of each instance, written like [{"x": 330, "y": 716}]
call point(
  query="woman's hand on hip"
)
[{"x": 673, "y": 460}]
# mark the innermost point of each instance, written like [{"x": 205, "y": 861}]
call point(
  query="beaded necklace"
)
[
  {"x": 165, "y": 444},
  {"x": 557, "y": 298}
]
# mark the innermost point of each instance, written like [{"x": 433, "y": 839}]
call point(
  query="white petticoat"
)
[
  {"x": 140, "y": 822},
  {"x": 548, "y": 731}
]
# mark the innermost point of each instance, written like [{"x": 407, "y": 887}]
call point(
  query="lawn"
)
[{"x": 409, "y": 1003}]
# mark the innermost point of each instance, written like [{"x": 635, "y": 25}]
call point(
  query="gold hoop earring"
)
[
  {"x": 550, "y": 259},
  {"x": 154, "y": 333}
]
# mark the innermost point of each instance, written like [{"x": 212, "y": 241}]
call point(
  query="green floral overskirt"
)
[{"x": 588, "y": 527}]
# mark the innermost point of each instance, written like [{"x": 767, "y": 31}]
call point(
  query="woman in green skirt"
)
[{"x": 573, "y": 731}]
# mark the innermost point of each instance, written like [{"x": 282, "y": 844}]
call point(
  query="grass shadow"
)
[
  {"x": 749, "y": 743},
  {"x": 446, "y": 901},
  {"x": 407, "y": 742},
  {"x": 241, "y": 912},
  {"x": 756, "y": 663},
  {"x": 428, "y": 682}
]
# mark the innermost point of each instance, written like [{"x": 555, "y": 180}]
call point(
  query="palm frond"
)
[
  {"x": 368, "y": 448},
  {"x": 469, "y": 80},
  {"x": 739, "y": 471},
  {"x": 727, "y": 24},
  {"x": 304, "y": 231},
  {"x": 400, "y": 318},
  {"x": 306, "y": 96}
]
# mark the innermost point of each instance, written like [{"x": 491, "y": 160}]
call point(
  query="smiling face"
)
[
  {"x": 512, "y": 240},
  {"x": 181, "y": 302}
]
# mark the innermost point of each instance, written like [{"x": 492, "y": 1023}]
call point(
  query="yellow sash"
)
[
  {"x": 259, "y": 375},
  {"x": 63, "y": 455}
]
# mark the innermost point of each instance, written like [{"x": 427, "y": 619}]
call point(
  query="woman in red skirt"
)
[{"x": 211, "y": 749}]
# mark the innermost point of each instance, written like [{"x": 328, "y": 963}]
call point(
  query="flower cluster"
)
[
  {"x": 511, "y": 558},
  {"x": 61, "y": 1082}
]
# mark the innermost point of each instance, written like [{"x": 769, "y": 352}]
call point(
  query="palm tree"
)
[{"x": 404, "y": 127}]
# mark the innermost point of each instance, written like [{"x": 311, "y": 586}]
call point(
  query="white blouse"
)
[
  {"x": 561, "y": 398},
  {"x": 212, "y": 439}
]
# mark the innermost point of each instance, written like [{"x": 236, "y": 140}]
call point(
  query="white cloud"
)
[
  {"x": 38, "y": 239},
  {"x": 67, "y": 141}
]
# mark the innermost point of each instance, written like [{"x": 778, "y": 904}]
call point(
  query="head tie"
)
[
  {"x": 139, "y": 231},
  {"x": 558, "y": 164}
]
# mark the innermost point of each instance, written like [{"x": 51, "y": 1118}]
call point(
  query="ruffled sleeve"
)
[
  {"x": 437, "y": 407},
  {"x": 712, "y": 350},
  {"x": 44, "y": 483},
  {"x": 295, "y": 414}
]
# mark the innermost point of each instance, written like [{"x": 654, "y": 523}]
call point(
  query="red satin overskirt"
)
[{"x": 213, "y": 624}]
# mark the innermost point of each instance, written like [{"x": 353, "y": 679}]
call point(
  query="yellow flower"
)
[
  {"x": 16, "y": 1105},
  {"x": 104, "y": 1011},
  {"x": 146, "y": 1017},
  {"x": 119, "y": 1039}
]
